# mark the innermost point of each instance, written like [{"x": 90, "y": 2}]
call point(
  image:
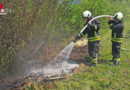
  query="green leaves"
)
[{"x": 51, "y": 21}]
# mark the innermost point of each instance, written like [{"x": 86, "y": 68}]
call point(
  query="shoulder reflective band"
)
[
  {"x": 95, "y": 27},
  {"x": 94, "y": 38},
  {"x": 114, "y": 35},
  {"x": 117, "y": 39},
  {"x": 95, "y": 33}
]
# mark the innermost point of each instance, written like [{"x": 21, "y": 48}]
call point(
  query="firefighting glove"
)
[{"x": 77, "y": 37}]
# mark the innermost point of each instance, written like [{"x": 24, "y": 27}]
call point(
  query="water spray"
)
[{"x": 60, "y": 64}]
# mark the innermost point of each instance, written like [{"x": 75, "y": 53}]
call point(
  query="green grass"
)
[{"x": 104, "y": 76}]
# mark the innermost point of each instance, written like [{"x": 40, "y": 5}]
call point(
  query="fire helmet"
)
[
  {"x": 118, "y": 16},
  {"x": 86, "y": 14}
]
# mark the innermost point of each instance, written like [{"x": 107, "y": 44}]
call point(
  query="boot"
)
[
  {"x": 115, "y": 63},
  {"x": 112, "y": 60}
]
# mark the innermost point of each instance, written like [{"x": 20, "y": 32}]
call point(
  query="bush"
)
[{"x": 36, "y": 20}]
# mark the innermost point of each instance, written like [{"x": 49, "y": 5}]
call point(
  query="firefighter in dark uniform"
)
[
  {"x": 117, "y": 27},
  {"x": 92, "y": 32}
]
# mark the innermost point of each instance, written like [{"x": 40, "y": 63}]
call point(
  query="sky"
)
[{"x": 76, "y": 2}]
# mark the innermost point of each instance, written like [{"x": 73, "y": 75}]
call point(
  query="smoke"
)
[
  {"x": 43, "y": 35},
  {"x": 37, "y": 52},
  {"x": 59, "y": 66}
]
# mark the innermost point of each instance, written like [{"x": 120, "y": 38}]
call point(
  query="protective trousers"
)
[
  {"x": 116, "y": 46},
  {"x": 93, "y": 49}
]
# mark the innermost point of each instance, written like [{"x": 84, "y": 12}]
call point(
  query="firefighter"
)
[
  {"x": 93, "y": 33},
  {"x": 117, "y": 27}
]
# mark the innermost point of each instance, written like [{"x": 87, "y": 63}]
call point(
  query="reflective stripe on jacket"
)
[
  {"x": 94, "y": 38},
  {"x": 92, "y": 31},
  {"x": 117, "y": 30}
]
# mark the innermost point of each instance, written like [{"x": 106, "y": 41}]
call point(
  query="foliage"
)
[
  {"x": 49, "y": 20},
  {"x": 30, "y": 20},
  {"x": 104, "y": 76},
  {"x": 97, "y": 7}
]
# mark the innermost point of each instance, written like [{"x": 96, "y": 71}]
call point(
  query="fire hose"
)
[{"x": 93, "y": 20}]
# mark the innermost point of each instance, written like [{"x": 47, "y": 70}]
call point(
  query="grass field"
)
[{"x": 104, "y": 76}]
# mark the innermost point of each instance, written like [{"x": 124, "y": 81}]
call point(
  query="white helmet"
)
[
  {"x": 86, "y": 14},
  {"x": 118, "y": 16}
]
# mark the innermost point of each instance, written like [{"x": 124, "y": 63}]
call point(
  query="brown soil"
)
[{"x": 79, "y": 54}]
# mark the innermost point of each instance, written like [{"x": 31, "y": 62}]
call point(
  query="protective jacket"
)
[
  {"x": 117, "y": 30},
  {"x": 117, "y": 38},
  {"x": 92, "y": 30},
  {"x": 93, "y": 33}
]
